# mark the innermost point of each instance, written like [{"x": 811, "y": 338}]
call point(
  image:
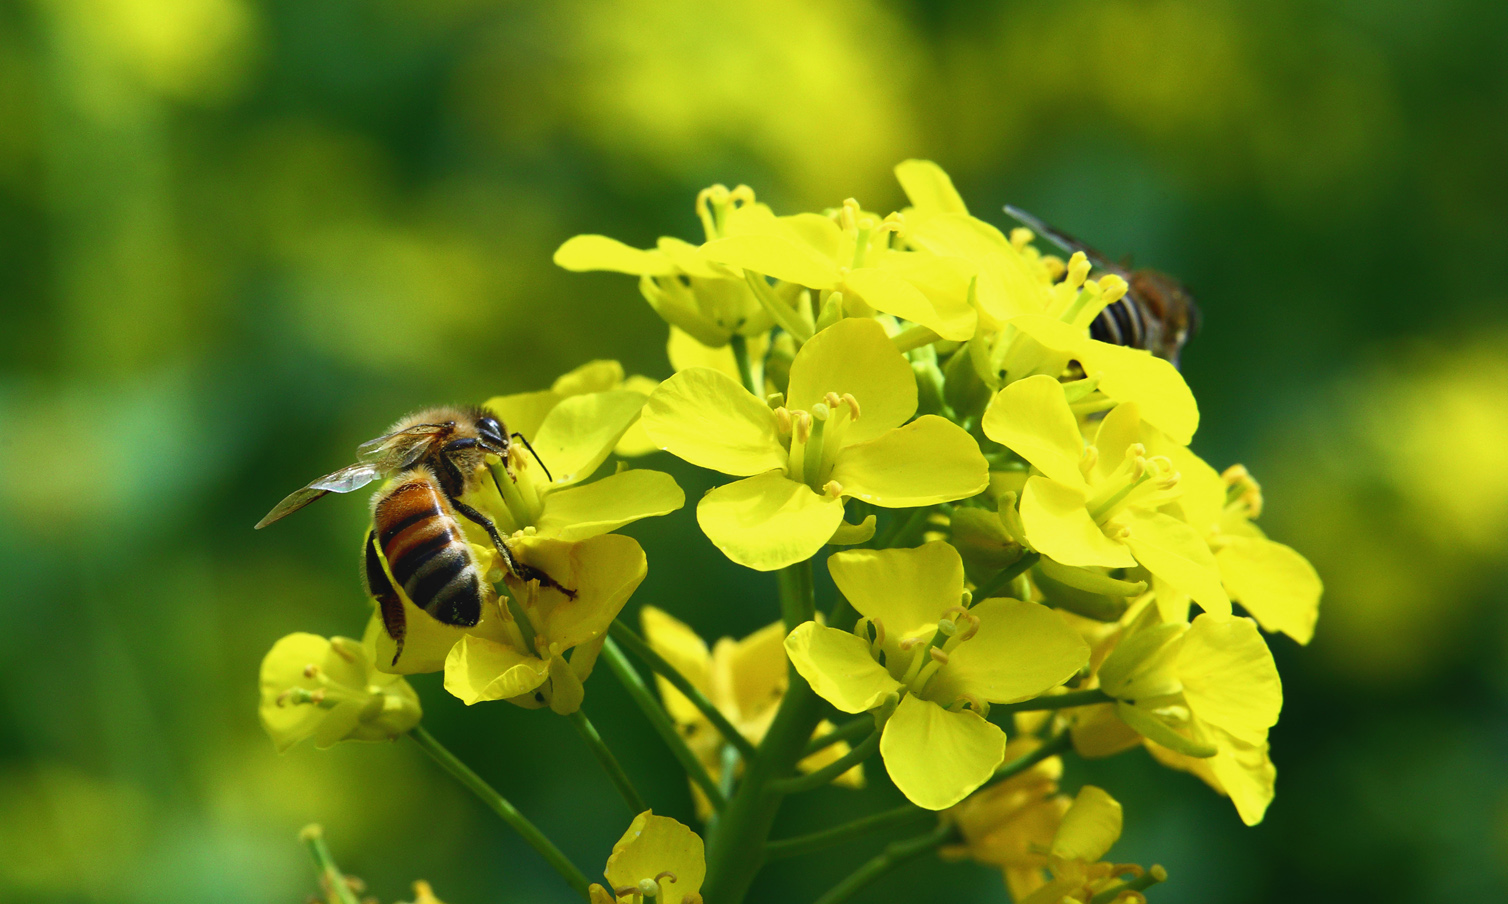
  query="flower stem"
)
[
  {"x": 1059, "y": 744},
  {"x": 820, "y": 841},
  {"x": 849, "y": 731},
  {"x": 819, "y": 777},
  {"x": 1141, "y": 883},
  {"x": 1007, "y": 574},
  {"x": 636, "y": 645},
  {"x": 1054, "y": 701},
  {"x": 610, "y": 764},
  {"x": 499, "y": 805},
  {"x": 740, "y": 346},
  {"x": 735, "y": 846},
  {"x": 624, "y": 671},
  {"x": 789, "y": 320},
  {"x": 895, "y": 854},
  {"x": 330, "y": 877}
]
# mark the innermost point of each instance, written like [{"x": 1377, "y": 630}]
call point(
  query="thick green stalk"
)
[
  {"x": 636, "y": 645},
  {"x": 627, "y": 676},
  {"x": 610, "y": 764},
  {"x": 500, "y": 805},
  {"x": 895, "y": 854},
  {"x": 826, "y": 838},
  {"x": 735, "y": 846}
]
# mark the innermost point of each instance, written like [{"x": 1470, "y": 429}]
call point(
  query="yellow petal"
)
[
  {"x": 579, "y": 433},
  {"x": 593, "y": 376},
  {"x": 1021, "y": 651},
  {"x": 855, "y": 356},
  {"x": 1031, "y": 417},
  {"x": 839, "y": 667},
  {"x": 1276, "y": 585},
  {"x": 886, "y": 291},
  {"x": 1229, "y": 678},
  {"x": 1058, "y": 526},
  {"x": 1171, "y": 550},
  {"x": 1246, "y": 774},
  {"x": 685, "y": 352},
  {"x": 605, "y": 505},
  {"x": 683, "y": 649},
  {"x": 927, "y": 461},
  {"x": 654, "y": 845},
  {"x": 1007, "y": 285},
  {"x": 774, "y": 256},
  {"x": 598, "y": 252},
  {"x": 604, "y": 571},
  {"x": 936, "y": 758},
  {"x": 524, "y": 411},
  {"x": 706, "y": 418},
  {"x": 928, "y": 188},
  {"x": 751, "y": 673},
  {"x": 1091, "y": 825},
  {"x": 478, "y": 669},
  {"x": 768, "y": 521},
  {"x": 906, "y": 589}
]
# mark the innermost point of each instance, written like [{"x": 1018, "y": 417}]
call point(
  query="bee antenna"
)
[{"x": 520, "y": 438}]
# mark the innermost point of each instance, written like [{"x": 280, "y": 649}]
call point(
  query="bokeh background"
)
[{"x": 238, "y": 237}]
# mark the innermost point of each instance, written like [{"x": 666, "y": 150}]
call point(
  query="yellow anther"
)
[
  {"x": 852, "y": 403},
  {"x": 893, "y": 222},
  {"x": 743, "y": 194},
  {"x": 1021, "y": 237},
  {"x": 910, "y": 644},
  {"x": 1055, "y": 266},
  {"x": 1112, "y": 288},
  {"x": 1078, "y": 269},
  {"x": 938, "y": 656},
  {"x": 833, "y": 489},
  {"x": 1089, "y": 459},
  {"x": 311, "y": 670},
  {"x": 667, "y": 875},
  {"x": 849, "y": 218},
  {"x": 782, "y": 420},
  {"x": 802, "y": 426},
  {"x": 833, "y": 400}
]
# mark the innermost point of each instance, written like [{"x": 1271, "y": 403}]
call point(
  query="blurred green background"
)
[{"x": 239, "y": 237}]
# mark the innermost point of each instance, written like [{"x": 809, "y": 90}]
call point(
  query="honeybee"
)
[
  {"x": 1157, "y": 314},
  {"x": 436, "y": 456}
]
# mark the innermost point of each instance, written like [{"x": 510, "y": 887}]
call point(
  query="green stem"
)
[
  {"x": 788, "y": 319},
  {"x": 1007, "y": 574},
  {"x": 627, "y": 676},
  {"x": 820, "y": 841},
  {"x": 735, "y": 848},
  {"x": 1141, "y": 883},
  {"x": 895, "y": 854},
  {"x": 798, "y": 596},
  {"x": 849, "y": 731},
  {"x": 330, "y": 876},
  {"x": 636, "y": 645},
  {"x": 819, "y": 777},
  {"x": 610, "y": 764},
  {"x": 740, "y": 346},
  {"x": 902, "y": 530},
  {"x": 1058, "y": 745},
  {"x": 1054, "y": 701},
  {"x": 499, "y": 805}
]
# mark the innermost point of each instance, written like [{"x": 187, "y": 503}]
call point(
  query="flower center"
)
[
  {"x": 816, "y": 437},
  {"x": 1138, "y": 481}
]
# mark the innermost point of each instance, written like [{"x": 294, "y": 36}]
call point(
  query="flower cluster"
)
[{"x": 1035, "y": 562}]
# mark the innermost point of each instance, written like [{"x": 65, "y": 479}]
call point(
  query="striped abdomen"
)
[{"x": 427, "y": 552}]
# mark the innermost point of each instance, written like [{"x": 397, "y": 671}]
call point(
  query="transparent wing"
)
[
  {"x": 398, "y": 450},
  {"x": 1064, "y": 241},
  {"x": 346, "y": 480}
]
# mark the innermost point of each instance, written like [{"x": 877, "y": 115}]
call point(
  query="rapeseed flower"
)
[
  {"x": 921, "y": 648},
  {"x": 657, "y": 859},
  {"x": 841, "y": 431},
  {"x": 330, "y": 690},
  {"x": 1100, "y": 504},
  {"x": 1203, "y": 695},
  {"x": 1075, "y": 873},
  {"x": 745, "y": 679}
]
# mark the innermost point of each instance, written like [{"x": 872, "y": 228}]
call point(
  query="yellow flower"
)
[
  {"x": 1100, "y": 505},
  {"x": 838, "y": 434},
  {"x": 330, "y": 690},
  {"x": 710, "y": 302},
  {"x": 604, "y": 376},
  {"x": 848, "y": 260},
  {"x": 1077, "y": 875},
  {"x": 572, "y": 434},
  {"x": 1204, "y": 696},
  {"x": 657, "y": 859},
  {"x": 745, "y": 679},
  {"x": 944, "y": 662},
  {"x": 1011, "y": 824}
]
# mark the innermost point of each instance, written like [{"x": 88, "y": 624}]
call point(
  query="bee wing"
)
[
  {"x": 1065, "y": 241},
  {"x": 347, "y": 480},
  {"x": 398, "y": 450}
]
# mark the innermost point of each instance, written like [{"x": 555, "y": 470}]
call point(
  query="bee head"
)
[{"x": 492, "y": 434}]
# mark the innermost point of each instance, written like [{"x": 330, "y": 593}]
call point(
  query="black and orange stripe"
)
[{"x": 427, "y": 551}]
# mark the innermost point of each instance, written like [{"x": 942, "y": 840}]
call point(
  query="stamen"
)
[
  {"x": 666, "y": 875},
  {"x": 311, "y": 670},
  {"x": 782, "y": 420},
  {"x": 833, "y": 488},
  {"x": 852, "y": 403},
  {"x": 1021, "y": 237},
  {"x": 938, "y": 655},
  {"x": 833, "y": 400},
  {"x": 802, "y": 428},
  {"x": 1112, "y": 288},
  {"x": 1078, "y": 269}
]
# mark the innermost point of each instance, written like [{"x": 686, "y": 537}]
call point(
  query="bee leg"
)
[
  {"x": 522, "y": 571},
  {"x": 381, "y": 589}
]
